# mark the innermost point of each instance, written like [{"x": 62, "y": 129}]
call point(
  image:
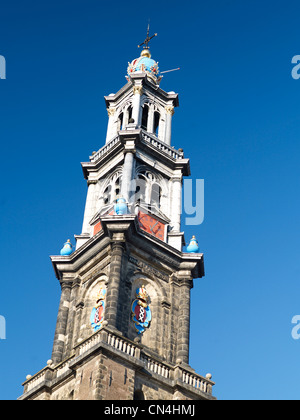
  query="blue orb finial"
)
[
  {"x": 67, "y": 249},
  {"x": 193, "y": 246},
  {"x": 121, "y": 207},
  {"x": 145, "y": 64}
]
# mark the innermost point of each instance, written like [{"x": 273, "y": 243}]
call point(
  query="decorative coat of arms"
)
[
  {"x": 141, "y": 312},
  {"x": 97, "y": 315}
]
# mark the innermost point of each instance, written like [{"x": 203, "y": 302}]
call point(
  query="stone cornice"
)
[
  {"x": 135, "y": 141},
  {"x": 142, "y": 80},
  {"x": 127, "y": 225}
]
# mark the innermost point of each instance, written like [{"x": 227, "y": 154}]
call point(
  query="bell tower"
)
[{"x": 123, "y": 324}]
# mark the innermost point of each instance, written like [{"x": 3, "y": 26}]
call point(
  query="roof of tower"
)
[{"x": 145, "y": 64}]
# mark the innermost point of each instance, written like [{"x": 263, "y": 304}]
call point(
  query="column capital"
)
[
  {"x": 176, "y": 178},
  {"x": 170, "y": 109},
  {"x": 137, "y": 90},
  {"x": 111, "y": 111},
  {"x": 185, "y": 278},
  {"x": 92, "y": 182},
  {"x": 118, "y": 238},
  {"x": 67, "y": 284}
]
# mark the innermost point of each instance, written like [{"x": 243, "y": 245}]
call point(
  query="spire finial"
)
[{"x": 147, "y": 40}]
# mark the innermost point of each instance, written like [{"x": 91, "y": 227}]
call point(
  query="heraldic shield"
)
[
  {"x": 97, "y": 315},
  {"x": 141, "y": 312}
]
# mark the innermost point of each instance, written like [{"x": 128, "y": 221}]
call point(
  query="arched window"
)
[
  {"x": 129, "y": 110},
  {"x": 147, "y": 190},
  {"x": 145, "y": 117},
  {"x": 140, "y": 188},
  {"x": 120, "y": 121},
  {"x": 113, "y": 189},
  {"x": 107, "y": 195},
  {"x": 156, "y": 122},
  {"x": 155, "y": 195}
]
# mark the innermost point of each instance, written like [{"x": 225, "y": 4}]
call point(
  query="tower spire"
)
[{"x": 148, "y": 39}]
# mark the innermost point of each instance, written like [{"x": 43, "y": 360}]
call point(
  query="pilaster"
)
[
  {"x": 62, "y": 319},
  {"x": 183, "y": 335},
  {"x": 112, "y": 299}
]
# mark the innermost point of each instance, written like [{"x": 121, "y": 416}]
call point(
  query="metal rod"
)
[{"x": 168, "y": 71}]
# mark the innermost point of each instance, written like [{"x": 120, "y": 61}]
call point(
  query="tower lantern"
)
[{"x": 123, "y": 324}]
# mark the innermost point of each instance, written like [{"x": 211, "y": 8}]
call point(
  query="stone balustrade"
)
[
  {"x": 36, "y": 380},
  {"x": 196, "y": 381},
  {"x": 104, "y": 149},
  {"x": 156, "y": 367},
  {"x": 163, "y": 147},
  {"x": 110, "y": 340},
  {"x": 147, "y": 138}
]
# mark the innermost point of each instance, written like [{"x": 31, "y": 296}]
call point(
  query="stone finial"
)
[
  {"x": 193, "y": 247},
  {"x": 67, "y": 249}
]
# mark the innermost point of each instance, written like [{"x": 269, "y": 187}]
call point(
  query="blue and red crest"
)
[
  {"x": 141, "y": 312},
  {"x": 97, "y": 315}
]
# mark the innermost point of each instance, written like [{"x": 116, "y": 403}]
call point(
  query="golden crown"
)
[
  {"x": 101, "y": 294},
  {"x": 142, "y": 294}
]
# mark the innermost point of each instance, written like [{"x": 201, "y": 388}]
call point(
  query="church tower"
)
[{"x": 123, "y": 324}]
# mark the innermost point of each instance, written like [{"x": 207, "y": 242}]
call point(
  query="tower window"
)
[
  {"x": 107, "y": 195},
  {"x": 120, "y": 121},
  {"x": 113, "y": 189},
  {"x": 129, "y": 113},
  {"x": 155, "y": 195},
  {"x": 156, "y": 122},
  {"x": 140, "y": 190},
  {"x": 147, "y": 190},
  {"x": 145, "y": 117}
]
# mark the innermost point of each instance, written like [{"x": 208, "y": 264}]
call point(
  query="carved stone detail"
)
[{"x": 137, "y": 90}]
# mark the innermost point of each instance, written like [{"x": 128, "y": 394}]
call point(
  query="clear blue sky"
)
[{"x": 238, "y": 121}]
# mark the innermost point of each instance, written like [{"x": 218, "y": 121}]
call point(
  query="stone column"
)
[
  {"x": 183, "y": 334},
  {"x": 113, "y": 288},
  {"x": 136, "y": 105},
  {"x": 61, "y": 324},
  {"x": 127, "y": 174},
  {"x": 169, "y": 113},
  {"x": 111, "y": 121}
]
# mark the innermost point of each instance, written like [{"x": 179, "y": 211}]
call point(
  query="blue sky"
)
[{"x": 238, "y": 121}]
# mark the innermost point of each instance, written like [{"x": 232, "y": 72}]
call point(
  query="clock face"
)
[{"x": 151, "y": 225}]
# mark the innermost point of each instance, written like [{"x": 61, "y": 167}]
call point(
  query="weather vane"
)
[{"x": 148, "y": 39}]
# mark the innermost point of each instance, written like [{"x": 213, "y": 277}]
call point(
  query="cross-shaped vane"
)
[{"x": 147, "y": 40}]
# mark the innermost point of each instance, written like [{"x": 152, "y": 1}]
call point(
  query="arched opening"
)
[
  {"x": 145, "y": 117},
  {"x": 107, "y": 195},
  {"x": 113, "y": 189},
  {"x": 156, "y": 122},
  {"x": 155, "y": 195},
  {"x": 120, "y": 121},
  {"x": 129, "y": 113},
  {"x": 117, "y": 188},
  {"x": 140, "y": 188}
]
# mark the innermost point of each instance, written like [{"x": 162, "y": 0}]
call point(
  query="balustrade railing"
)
[
  {"x": 127, "y": 347},
  {"x": 155, "y": 366},
  {"x": 169, "y": 150},
  {"x": 197, "y": 381},
  {"x": 146, "y": 138}
]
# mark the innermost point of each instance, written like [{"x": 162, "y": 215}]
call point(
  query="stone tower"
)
[{"x": 123, "y": 323}]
